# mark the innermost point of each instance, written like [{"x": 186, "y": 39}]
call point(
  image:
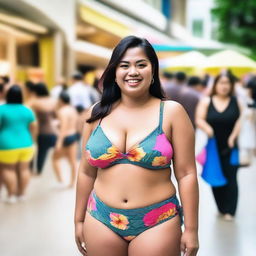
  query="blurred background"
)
[{"x": 48, "y": 40}]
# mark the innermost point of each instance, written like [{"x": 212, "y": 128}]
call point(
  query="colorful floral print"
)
[
  {"x": 156, "y": 215},
  {"x": 160, "y": 161},
  {"x": 104, "y": 160},
  {"x": 129, "y": 238},
  {"x": 91, "y": 205},
  {"x": 164, "y": 146},
  {"x": 112, "y": 153},
  {"x": 136, "y": 154},
  {"x": 119, "y": 221}
]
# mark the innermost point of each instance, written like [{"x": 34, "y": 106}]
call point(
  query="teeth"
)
[{"x": 133, "y": 81}]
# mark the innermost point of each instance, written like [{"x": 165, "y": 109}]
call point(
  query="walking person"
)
[
  {"x": 219, "y": 116},
  {"x": 18, "y": 130},
  {"x": 44, "y": 107},
  {"x": 66, "y": 145},
  {"x": 125, "y": 198},
  {"x": 81, "y": 94}
]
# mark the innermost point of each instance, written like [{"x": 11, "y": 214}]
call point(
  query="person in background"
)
[
  {"x": 57, "y": 89},
  {"x": 80, "y": 93},
  {"x": 173, "y": 90},
  {"x": 66, "y": 145},
  {"x": 44, "y": 106},
  {"x": 247, "y": 136},
  {"x": 126, "y": 201},
  {"x": 166, "y": 80},
  {"x": 189, "y": 96},
  {"x": 18, "y": 129},
  {"x": 219, "y": 116},
  {"x": 195, "y": 83},
  {"x": 4, "y": 86}
]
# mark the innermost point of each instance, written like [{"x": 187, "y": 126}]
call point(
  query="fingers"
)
[
  {"x": 191, "y": 252},
  {"x": 81, "y": 247},
  {"x": 182, "y": 248},
  {"x": 186, "y": 251}
]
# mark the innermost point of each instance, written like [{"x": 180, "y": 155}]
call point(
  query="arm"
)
[
  {"x": 63, "y": 125},
  {"x": 201, "y": 112},
  {"x": 235, "y": 132},
  {"x": 34, "y": 130},
  {"x": 86, "y": 178},
  {"x": 186, "y": 175}
]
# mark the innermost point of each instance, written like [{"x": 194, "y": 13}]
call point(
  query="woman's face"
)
[
  {"x": 134, "y": 72},
  {"x": 223, "y": 86}
]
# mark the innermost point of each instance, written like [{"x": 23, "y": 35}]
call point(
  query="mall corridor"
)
[{"x": 43, "y": 225}]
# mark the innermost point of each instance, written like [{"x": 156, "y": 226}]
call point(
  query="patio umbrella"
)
[
  {"x": 190, "y": 62},
  {"x": 239, "y": 64}
]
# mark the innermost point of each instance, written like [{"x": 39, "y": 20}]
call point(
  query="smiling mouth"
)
[{"x": 133, "y": 82}]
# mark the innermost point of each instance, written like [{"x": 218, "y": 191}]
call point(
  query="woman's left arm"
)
[
  {"x": 183, "y": 141},
  {"x": 235, "y": 132}
]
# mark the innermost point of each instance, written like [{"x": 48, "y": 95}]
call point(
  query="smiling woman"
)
[{"x": 131, "y": 137}]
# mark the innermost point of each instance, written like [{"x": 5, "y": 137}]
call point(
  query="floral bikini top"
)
[{"x": 153, "y": 152}]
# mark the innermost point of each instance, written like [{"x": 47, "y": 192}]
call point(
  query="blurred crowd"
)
[
  {"x": 53, "y": 120},
  {"x": 34, "y": 120}
]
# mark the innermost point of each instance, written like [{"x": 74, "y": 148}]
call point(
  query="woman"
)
[
  {"x": 44, "y": 107},
  {"x": 124, "y": 189},
  {"x": 66, "y": 145},
  {"x": 17, "y": 131},
  {"x": 219, "y": 116}
]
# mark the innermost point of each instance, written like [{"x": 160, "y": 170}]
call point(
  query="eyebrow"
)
[{"x": 138, "y": 61}]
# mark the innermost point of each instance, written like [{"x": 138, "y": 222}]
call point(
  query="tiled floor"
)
[{"x": 43, "y": 225}]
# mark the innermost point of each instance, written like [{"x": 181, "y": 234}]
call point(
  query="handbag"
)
[
  {"x": 234, "y": 156},
  {"x": 212, "y": 170}
]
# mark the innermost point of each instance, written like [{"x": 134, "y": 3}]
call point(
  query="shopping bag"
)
[
  {"x": 212, "y": 171},
  {"x": 234, "y": 156}
]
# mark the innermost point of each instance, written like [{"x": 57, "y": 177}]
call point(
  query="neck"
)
[
  {"x": 222, "y": 97},
  {"x": 135, "y": 102}
]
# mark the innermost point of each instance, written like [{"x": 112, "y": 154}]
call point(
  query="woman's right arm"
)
[
  {"x": 201, "y": 113},
  {"x": 85, "y": 181}
]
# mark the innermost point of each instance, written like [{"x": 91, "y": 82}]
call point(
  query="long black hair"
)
[
  {"x": 14, "y": 95},
  {"x": 111, "y": 92}
]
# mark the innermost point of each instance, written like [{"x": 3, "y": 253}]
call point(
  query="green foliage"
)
[{"x": 236, "y": 22}]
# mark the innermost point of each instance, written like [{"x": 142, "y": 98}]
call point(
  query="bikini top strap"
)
[
  {"x": 100, "y": 121},
  {"x": 161, "y": 114}
]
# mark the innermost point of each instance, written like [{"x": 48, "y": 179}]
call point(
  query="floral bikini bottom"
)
[{"x": 129, "y": 223}]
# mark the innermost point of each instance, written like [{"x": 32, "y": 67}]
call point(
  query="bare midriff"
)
[{"x": 126, "y": 186}]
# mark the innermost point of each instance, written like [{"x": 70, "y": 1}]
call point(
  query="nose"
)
[{"x": 133, "y": 71}]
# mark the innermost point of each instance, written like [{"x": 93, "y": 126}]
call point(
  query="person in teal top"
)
[{"x": 17, "y": 129}]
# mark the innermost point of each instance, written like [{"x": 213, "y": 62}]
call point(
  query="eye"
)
[
  {"x": 142, "y": 65},
  {"x": 124, "y": 66}
]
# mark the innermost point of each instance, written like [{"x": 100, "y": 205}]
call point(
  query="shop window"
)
[
  {"x": 28, "y": 55},
  {"x": 197, "y": 28}
]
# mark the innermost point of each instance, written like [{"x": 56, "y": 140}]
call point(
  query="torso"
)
[
  {"x": 222, "y": 117},
  {"x": 44, "y": 108},
  {"x": 14, "y": 129},
  {"x": 125, "y": 185},
  {"x": 71, "y": 117}
]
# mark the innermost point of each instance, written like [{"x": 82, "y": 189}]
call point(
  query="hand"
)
[
  {"x": 210, "y": 132},
  {"x": 231, "y": 141},
  {"x": 57, "y": 148},
  {"x": 189, "y": 243},
  {"x": 80, "y": 238}
]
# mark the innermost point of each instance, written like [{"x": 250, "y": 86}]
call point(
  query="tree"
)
[{"x": 236, "y": 22}]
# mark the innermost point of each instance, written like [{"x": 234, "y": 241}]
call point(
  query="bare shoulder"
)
[
  {"x": 205, "y": 101},
  {"x": 173, "y": 107}
]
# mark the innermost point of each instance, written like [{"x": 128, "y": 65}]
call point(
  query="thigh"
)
[
  {"x": 163, "y": 239},
  {"x": 102, "y": 241},
  {"x": 23, "y": 166},
  {"x": 70, "y": 152}
]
